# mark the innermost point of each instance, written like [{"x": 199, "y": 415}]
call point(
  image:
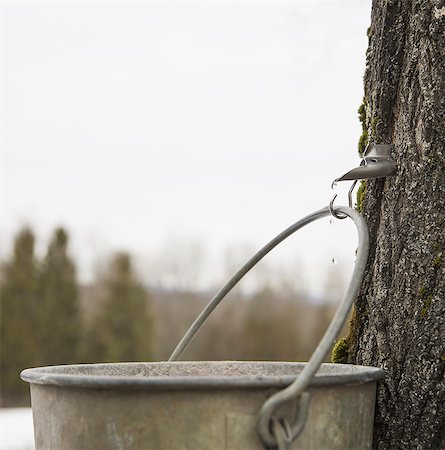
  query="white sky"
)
[{"x": 135, "y": 124}]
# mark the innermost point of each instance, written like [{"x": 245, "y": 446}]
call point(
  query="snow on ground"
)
[{"x": 16, "y": 429}]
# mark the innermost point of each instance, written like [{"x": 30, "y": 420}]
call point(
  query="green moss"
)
[
  {"x": 361, "y": 194},
  {"x": 362, "y": 113},
  {"x": 340, "y": 351},
  {"x": 426, "y": 307},
  {"x": 422, "y": 290},
  {"x": 437, "y": 260},
  {"x": 426, "y": 298},
  {"x": 341, "y": 348},
  {"x": 442, "y": 358},
  {"x": 369, "y": 32},
  {"x": 363, "y": 140}
]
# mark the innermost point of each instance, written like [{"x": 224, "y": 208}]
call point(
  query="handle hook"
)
[
  {"x": 377, "y": 162},
  {"x": 335, "y": 213}
]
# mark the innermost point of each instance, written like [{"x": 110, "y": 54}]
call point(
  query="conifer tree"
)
[
  {"x": 122, "y": 330},
  {"x": 19, "y": 318},
  {"x": 60, "y": 330}
]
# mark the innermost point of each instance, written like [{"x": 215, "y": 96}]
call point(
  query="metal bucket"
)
[
  {"x": 214, "y": 405},
  {"x": 194, "y": 405}
]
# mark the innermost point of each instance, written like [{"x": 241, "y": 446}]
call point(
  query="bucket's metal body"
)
[{"x": 194, "y": 405}]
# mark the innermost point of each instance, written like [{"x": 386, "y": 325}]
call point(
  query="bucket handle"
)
[{"x": 297, "y": 388}]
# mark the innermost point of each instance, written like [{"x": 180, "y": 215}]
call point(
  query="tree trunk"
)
[{"x": 399, "y": 317}]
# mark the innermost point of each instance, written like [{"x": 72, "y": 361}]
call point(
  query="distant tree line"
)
[
  {"x": 42, "y": 322},
  {"x": 48, "y": 317}
]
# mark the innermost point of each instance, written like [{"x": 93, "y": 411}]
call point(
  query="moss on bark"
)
[{"x": 340, "y": 351}]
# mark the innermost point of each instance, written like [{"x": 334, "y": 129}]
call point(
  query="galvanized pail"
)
[
  {"x": 213, "y": 405},
  {"x": 194, "y": 405}
]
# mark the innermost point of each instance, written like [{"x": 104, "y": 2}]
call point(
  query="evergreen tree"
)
[
  {"x": 60, "y": 332},
  {"x": 19, "y": 318},
  {"x": 122, "y": 330}
]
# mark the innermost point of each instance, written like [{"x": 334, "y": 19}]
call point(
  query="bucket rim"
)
[{"x": 341, "y": 374}]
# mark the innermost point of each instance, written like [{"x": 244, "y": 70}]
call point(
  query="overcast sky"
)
[{"x": 219, "y": 123}]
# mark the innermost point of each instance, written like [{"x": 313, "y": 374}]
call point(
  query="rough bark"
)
[{"x": 400, "y": 313}]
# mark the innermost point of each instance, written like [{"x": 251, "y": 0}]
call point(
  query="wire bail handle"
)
[
  {"x": 377, "y": 162},
  {"x": 267, "y": 432},
  {"x": 297, "y": 391},
  {"x": 273, "y": 432}
]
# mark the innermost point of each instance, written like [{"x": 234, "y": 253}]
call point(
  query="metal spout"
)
[{"x": 377, "y": 163}]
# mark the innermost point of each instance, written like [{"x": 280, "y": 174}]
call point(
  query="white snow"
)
[{"x": 16, "y": 429}]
